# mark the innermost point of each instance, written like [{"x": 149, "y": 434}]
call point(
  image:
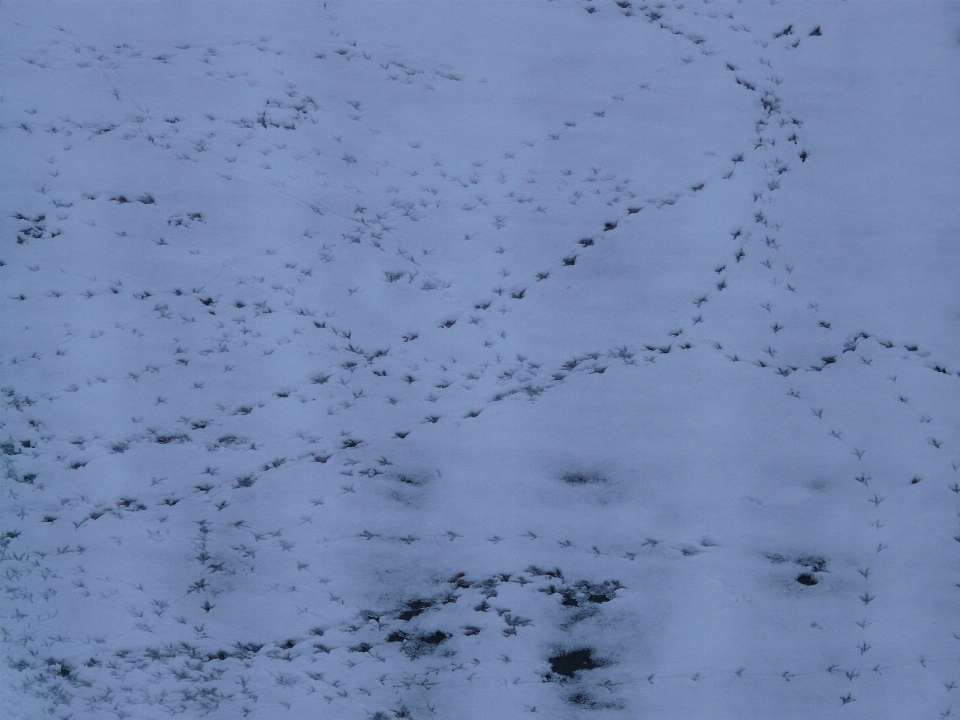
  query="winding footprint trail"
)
[{"x": 365, "y": 376}]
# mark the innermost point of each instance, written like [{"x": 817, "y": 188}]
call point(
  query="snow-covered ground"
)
[{"x": 480, "y": 359}]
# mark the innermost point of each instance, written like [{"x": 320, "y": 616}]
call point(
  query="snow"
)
[{"x": 480, "y": 359}]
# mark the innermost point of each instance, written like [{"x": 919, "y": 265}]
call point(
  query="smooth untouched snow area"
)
[{"x": 376, "y": 360}]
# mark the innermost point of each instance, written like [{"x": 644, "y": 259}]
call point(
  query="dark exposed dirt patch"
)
[
  {"x": 583, "y": 478},
  {"x": 569, "y": 663},
  {"x": 434, "y": 638},
  {"x": 586, "y": 700},
  {"x": 415, "y": 608}
]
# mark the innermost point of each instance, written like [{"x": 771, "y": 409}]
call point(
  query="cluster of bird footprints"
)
[{"x": 229, "y": 323}]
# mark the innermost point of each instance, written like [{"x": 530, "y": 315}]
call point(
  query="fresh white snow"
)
[{"x": 480, "y": 359}]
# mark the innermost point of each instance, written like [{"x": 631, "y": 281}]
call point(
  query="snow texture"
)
[{"x": 480, "y": 359}]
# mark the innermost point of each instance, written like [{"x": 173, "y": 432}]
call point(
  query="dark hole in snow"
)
[
  {"x": 396, "y": 636},
  {"x": 414, "y": 608},
  {"x": 806, "y": 579},
  {"x": 434, "y": 638},
  {"x": 570, "y": 663}
]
